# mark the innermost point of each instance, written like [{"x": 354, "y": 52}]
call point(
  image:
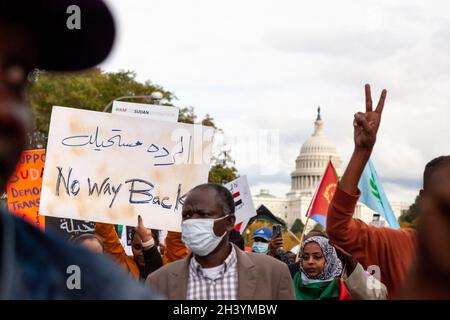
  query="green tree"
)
[
  {"x": 318, "y": 227},
  {"x": 408, "y": 219},
  {"x": 297, "y": 226},
  {"x": 222, "y": 170},
  {"x": 187, "y": 115},
  {"x": 93, "y": 90}
]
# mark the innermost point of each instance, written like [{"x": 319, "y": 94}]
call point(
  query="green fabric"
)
[{"x": 316, "y": 291}]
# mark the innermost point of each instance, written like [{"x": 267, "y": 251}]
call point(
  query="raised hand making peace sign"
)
[
  {"x": 365, "y": 134},
  {"x": 366, "y": 124}
]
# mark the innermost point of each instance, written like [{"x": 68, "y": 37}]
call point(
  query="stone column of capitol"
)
[{"x": 310, "y": 165}]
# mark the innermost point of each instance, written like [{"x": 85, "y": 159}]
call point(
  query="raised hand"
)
[
  {"x": 365, "y": 134},
  {"x": 274, "y": 245},
  {"x": 366, "y": 124},
  {"x": 142, "y": 231}
]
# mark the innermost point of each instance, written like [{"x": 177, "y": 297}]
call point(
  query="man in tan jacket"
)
[{"x": 217, "y": 269}]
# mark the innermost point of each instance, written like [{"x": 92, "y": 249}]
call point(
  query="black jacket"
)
[{"x": 153, "y": 261}]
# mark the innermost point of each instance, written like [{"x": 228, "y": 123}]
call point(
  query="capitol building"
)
[{"x": 310, "y": 165}]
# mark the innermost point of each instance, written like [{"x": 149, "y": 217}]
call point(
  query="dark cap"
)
[{"x": 62, "y": 48}]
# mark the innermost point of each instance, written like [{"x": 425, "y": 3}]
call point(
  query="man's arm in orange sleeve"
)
[
  {"x": 351, "y": 234},
  {"x": 389, "y": 249},
  {"x": 175, "y": 248},
  {"x": 111, "y": 242}
]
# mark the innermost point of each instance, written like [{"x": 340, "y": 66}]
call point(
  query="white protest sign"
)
[
  {"x": 109, "y": 168},
  {"x": 148, "y": 111},
  {"x": 244, "y": 207}
]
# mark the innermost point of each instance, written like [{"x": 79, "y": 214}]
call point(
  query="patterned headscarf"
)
[{"x": 333, "y": 266}]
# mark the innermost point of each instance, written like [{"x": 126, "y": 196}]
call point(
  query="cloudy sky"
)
[{"x": 264, "y": 66}]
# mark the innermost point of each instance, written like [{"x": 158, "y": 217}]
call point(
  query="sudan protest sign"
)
[
  {"x": 24, "y": 187},
  {"x": 149, "y": 111},
  {"x": 108, "y": 168}
]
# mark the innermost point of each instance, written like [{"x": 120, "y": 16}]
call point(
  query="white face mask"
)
[
  {"x": 260, "y": 247},
  {"x": 199, "y": 236}
]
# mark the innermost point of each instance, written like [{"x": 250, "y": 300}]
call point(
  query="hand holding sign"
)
[{"x": 144, "y": 233}]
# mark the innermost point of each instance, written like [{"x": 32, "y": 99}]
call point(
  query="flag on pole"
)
[
  {"x": 318, "y": 209},
  {"x": 373, "y": 196}
]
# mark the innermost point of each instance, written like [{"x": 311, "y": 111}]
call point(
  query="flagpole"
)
[
  {"x": 301, "y": 239},
  {"x": 308, "y": 214}
]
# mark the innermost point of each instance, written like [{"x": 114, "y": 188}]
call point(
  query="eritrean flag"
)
[{"x": 318, "y": 208}]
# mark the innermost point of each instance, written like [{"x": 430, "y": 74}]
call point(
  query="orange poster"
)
[{"x": 24, "y": 187}]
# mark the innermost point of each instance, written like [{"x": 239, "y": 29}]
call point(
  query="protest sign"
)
[
  {"x": 24, "y": 187},
  {"x": 244, "y": 207},
  {"x": 149, "y": 111},
  {"x": 69, "y": 228},
  {"x": 109, "y": 168}
]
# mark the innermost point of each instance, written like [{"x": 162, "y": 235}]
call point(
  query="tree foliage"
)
[
  {"x": 408, "y": 219},
  {"x": 318, "y": 227},
  {"x": 91, "y": 90},
  {"x": 94, "y": 90},
  {"x": 297, "y": 226},
  {"x": 222, "y": 170}
]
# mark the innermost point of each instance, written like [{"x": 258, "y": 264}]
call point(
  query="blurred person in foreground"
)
[
  {"x": 412, "y": 264},
  {"x": 429, "y": 277},
  {"x": 217, "y": 269},
  {"x": 34, "y": 265}
]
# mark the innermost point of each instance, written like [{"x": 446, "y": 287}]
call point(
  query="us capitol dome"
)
[
  {"x": 312, "y": 161},
  {"x": 310, "y": 165}
]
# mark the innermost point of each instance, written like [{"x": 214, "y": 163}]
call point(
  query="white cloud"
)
[
  {"x": 396, "y": 192},
  {"x": 266, "y": 65}
]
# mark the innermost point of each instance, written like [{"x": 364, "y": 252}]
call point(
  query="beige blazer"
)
[
  {"x": 260, "y": 277},
  {"x": 363, "y": 287}
]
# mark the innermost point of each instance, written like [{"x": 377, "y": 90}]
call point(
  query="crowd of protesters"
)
[{"x": 205, "y": 260}]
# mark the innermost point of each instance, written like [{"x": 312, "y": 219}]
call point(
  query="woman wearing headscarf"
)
[
  {"x": 353, "y": 279},
  {"x": 320, "y": 271}
]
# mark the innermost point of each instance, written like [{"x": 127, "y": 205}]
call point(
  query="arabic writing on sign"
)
[
  {"x": 69, "y": 226},
  {"x": 232, "y": 186},
  {"x": 180, "y": 153}
]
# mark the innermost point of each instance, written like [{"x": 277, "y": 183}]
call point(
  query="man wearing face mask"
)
[
  {"x": 261, "y": 239},
  {"x": 217, "y": 269}
]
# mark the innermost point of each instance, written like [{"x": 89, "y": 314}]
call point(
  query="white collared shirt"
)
[{"x": 218, "y": 283}]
